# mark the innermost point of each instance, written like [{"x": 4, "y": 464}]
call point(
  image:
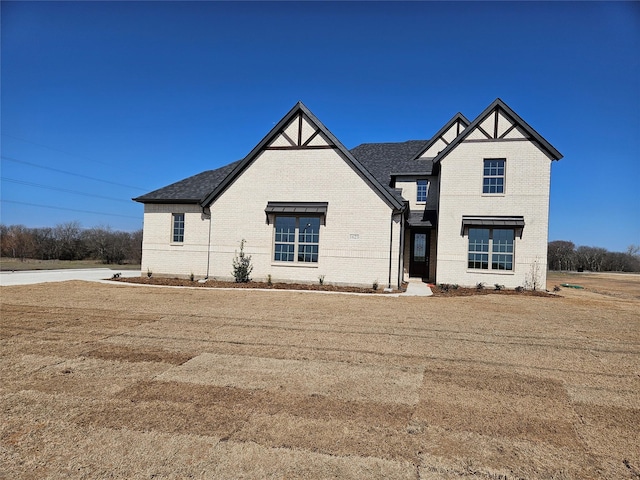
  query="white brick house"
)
[{"x": 469, "y": 205}]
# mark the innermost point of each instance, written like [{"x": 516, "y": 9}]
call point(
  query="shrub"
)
[
  {"x": 191, "y": 277},
  {"x": 242, "y": 266},
  {"x": 556, "y": 288},
  {"x": 498, "y": 287},
  {"x": 480, "y": 286},
  {"x": 269, "y": 282},
  {"x": 455, "y": 286},
  {"x": 519, "y": 289},
  {"x": 375, "y": 284},
  {"x": 321, "y": 279},
  {"x": 444, "y": 287},
  {"x": 149, "y": 273}
]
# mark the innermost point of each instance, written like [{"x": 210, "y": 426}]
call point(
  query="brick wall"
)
[
  {"x": 527, "y": 178},
  {"x": 354, "y": 243}
]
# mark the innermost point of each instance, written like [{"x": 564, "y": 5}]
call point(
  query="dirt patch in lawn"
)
[{"x": 104, "y": 380}]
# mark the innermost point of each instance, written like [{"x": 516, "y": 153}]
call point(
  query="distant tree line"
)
[
  {"x": 69, "y": 241},
  {"x": 563, "y": 255}
]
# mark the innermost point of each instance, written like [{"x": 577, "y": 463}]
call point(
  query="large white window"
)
[
  {"x": 493, "y": 175},
  {"x": 296, "y": 239},
  {"x": 495, "y": 244},
  {"x": 177, "y": 228}
]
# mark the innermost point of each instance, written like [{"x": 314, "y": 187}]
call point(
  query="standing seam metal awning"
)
[
  {"x": 297, "y": 208},
  {"x": 468, "y": 221},
  {"x": 516, "y": 222}
]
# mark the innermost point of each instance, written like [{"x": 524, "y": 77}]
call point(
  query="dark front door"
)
[{"x": 419, "y": 259}]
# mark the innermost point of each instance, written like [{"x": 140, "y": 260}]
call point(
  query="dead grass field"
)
[{"x": 115, "y": 381}]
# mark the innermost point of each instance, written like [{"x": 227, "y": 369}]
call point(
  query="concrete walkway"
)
[
  {"x": 30, "y": 277},
  {"x": 417, "y": 288}
]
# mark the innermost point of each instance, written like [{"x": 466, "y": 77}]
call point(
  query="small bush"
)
[
  {"x": 321, "y": 279},
  {"x": 375, "y": 285},
  {"x": 480, "y": 286},
  {"x": 269, "y": 282},
  {"x": 519, "y": 289},
  {"x": 499, "y": 287},
  {"x": 192, "y": 276},
  {"x": 444, "y": 287},
  {"x": 242, "y": 267},
  {"x": 149, "y": 273},
  {"x": 116, "y": 275},
  {"x": 455, "y": 286},
  {"x": 556, "y": 288}
]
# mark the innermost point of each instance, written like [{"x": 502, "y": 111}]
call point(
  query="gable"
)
[
  {"x": 300, "y": 133},
  {"x": 444, "y": 137},
  {"x": 499, "y": 123},
  {"x": 301, "y": 130}
]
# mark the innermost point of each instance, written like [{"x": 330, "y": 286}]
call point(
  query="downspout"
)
[
  {"x": 390, "y": 249},
  {"x": 207, "y": 212},
  {"x": 401, "y": 251}
]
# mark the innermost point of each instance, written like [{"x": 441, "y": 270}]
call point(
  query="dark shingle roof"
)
[
  {"x": 189, "y": 190},
  {"x": 380, "y": 159},
  {"x": 384, "y": 159}
]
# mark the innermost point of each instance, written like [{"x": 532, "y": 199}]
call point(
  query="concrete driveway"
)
[{"x": 29, "y": 277}]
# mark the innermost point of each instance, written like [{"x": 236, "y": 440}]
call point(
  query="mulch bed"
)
[
  {"x": 437, "y": 291},
  {"x": 181, "y": 282},
  {"x": 467, "y": 292}
]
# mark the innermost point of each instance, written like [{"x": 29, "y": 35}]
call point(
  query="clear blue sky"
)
[{"x": 140, "y": 95}]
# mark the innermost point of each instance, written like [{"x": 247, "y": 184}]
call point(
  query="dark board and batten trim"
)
[
  {"x": 457, "y": 119},
  {"x": 300, "y": 109},
  {"x": 514, "y": 118}
]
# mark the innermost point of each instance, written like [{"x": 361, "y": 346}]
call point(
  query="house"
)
[{"x": 469, "y": 205}]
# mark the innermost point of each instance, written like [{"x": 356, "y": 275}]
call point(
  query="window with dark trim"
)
[
  {"x": 493, "y": 175},
  {"x": 495, "y": 244},
  {"x": 296, "y": 239},
  {"x": 422, "y": 188},
  {"x": 177, "y": 231}
]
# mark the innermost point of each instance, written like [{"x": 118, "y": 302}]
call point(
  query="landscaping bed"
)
[
  {"x": 183, "y": 282},
  {"x": 451, "y": 291},
  {"x": 437, "y": 290}
]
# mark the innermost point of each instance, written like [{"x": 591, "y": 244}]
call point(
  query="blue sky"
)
[{"x": 132, "y": 96}]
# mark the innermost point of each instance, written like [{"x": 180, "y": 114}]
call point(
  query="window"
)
[
  {"x": 177, "y": 235},
  {"x": 296, "y": 239},
  {"x": 423, "y": 187},
  {"x": 494, "y": 242},
  {"x": 493, "y": 176}
]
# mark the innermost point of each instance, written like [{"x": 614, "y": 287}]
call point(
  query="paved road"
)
[{"x": 30, "y": 277}]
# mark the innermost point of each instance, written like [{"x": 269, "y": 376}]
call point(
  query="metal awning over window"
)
[
  {"x": 297, "y": 208},
  {"x": 517, "y": 223}
]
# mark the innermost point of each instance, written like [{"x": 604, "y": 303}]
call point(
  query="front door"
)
[{"x": 419, "y": 259}]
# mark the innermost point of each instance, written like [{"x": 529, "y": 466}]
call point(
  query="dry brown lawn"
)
[{"x": 116, "y": 381}]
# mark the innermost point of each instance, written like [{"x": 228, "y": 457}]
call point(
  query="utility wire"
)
[
  {"x": 71, "y": 173},
  {"x": 68, "y": 209},
  {"x": 30, "y": 184},
  {"x": 54, "y": 149}
]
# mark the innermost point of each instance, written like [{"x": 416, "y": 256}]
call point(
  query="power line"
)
[
  {"x": 68, "y": 209},
  {"x": 54, "y": 149},
  {"x": 30, "y": 184},
  {"x": 71, "y": 173}
]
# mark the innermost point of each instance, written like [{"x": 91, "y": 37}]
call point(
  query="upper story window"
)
[
  {"x": 177, "y": 231},
  {"x": 493, "y": 175},
  {"x": 422, "y": 188},
  {"x": 296, "y": 239}
]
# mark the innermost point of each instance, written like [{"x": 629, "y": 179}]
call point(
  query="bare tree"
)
[{"x": 561, "y": 255}]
